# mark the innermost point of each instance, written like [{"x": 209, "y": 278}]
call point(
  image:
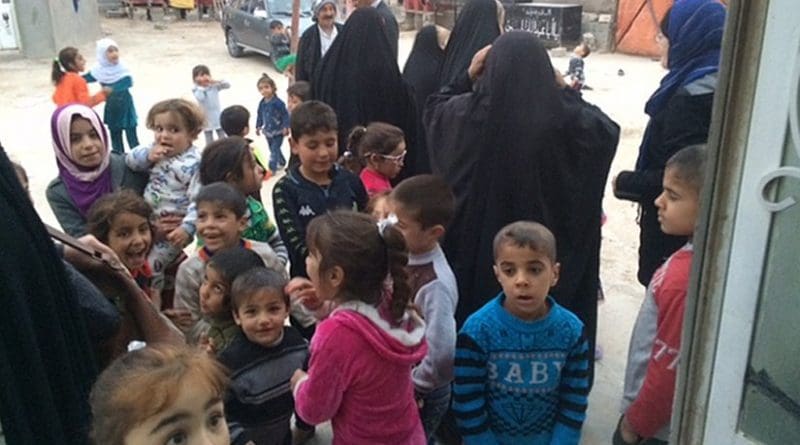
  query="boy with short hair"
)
[
  {"x": 206, "y": 91},
  {"x": 424, "y": 206},
  {"x": 656, "y": 337},
  {"x": 315, "y": 186},
  {"x": 297, "y": 93},
  {"x": 279, "y": 40},
  {"x": 221, "y": 219},
  {"x": 235, "y": 121},
  {"x": 522, "y": 360},
  {"x": 262, "y": 358}
]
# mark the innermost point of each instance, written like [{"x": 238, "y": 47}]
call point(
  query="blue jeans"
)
[
  {"x": 276, "y": 159},
  {"x": 434, "y": 407}
]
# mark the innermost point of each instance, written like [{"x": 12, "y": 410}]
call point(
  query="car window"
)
[
  {"x": 246, "y": 6},
  {"x": 260, "y": 10},
  {"x": 284, "y": 7}
]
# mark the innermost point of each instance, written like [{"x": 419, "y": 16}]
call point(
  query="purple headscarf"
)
[{"x": 84, "y": 185}]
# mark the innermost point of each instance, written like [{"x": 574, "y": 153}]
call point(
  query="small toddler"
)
[{"x": 206, "y": 91}]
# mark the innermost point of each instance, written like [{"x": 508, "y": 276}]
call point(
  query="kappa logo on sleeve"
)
[{"x": 306, "y": 210}]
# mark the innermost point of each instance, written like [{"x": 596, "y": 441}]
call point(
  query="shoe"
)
[{"x": 299, "y": 437}]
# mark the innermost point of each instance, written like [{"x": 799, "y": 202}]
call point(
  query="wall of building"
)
[{"x": 46, "y": 26}]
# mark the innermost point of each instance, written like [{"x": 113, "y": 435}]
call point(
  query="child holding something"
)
[
  {"x": 382, "y": 148},
  {"x": 656, "y": 338},
  {"x": 215, "y": 293},
  {"x": 424, "y": 206},
  {"x": 359, "y": 375},
  {"x": 522, "y": 360},
  {"x": 206, "y": 91},
  {"x": 173, "y": 162},
  {"x": 231, "y": 160},
  {"x": 220, "y": 222},
  {"x": 70, "y": 86},
  {"x": 262, "y": 358},
  {"x": 317, "y": 185},
  {"x": 161, "y": 394},
  {"x": 121, "y": 220},
  {"x": 272, "y": 119}
]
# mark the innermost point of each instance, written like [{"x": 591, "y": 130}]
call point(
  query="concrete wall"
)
[{"x": 46, "y": 26}]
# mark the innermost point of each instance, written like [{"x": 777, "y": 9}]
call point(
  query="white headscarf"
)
[{"x": 106, "y": 72}]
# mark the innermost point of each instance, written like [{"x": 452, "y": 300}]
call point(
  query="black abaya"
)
[
  {"x": 360, "y": 79},
  {"x": 476, "y": 26},
  {"x": 422, "y": 74},
  {"x": 520, "y": 148},
  {"x": 46, "y": 364}
]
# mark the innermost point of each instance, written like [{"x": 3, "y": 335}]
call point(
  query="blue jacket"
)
[{"x": 272, "y": 117}]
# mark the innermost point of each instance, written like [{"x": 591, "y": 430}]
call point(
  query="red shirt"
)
[{"x": 374, "y": 182}]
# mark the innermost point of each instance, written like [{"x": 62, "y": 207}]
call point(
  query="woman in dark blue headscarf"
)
[{"x": 680, "y": 115}]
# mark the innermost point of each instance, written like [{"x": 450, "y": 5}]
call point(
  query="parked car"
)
[{"x": 246, "y": 23}]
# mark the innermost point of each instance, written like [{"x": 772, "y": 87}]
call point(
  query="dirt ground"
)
[{"x": 161, "y": 61}]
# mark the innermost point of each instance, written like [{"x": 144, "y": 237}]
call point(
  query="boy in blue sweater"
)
[{"x": 522, "y": 360}]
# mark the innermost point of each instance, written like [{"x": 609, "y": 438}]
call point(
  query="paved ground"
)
[{"x": 161, "y": 61}]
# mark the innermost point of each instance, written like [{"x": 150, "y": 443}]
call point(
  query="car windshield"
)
[{"x": 284, "y": 7}]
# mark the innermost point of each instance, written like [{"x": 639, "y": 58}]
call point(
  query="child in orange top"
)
[{"x": 70, "y": 86}]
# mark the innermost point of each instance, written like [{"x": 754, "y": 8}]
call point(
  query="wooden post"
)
[{"x": 295, "y": 25}]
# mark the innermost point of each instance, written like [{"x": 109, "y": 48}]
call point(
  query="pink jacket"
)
[{"x": 360, "y": 377}]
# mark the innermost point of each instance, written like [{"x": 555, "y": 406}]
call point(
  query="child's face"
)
[
  {"x": 418, "y": 240},
  {"x": 171, "y": 133},
  {"x": 391, "y": 164},
  {"x": 252, "y": 175},
  {"x": 381, "y": 208},
  {"x": 277, "y": 30},
  {"x": 526, "y": 277},
  {"x": 324, "y": 282},
  {"x": 677, "y": 205},
  {"x": 212, "y": 292},
  {"x": 196, "y": 417},
  {"x": 266, "y": 90},
  {"x": 130, "y": 238},
  {"x": 219, "y": 226},
  {"x": 112, "y": 54},
  {"x": 317, "y": 152},
  {"x": 203, "y": 80},
  {"x": 85, "y": 144},
  {"x": 80, "y": 63},
  {"x": 262, "y": 316},
  {"x": 293, "y": 101}
]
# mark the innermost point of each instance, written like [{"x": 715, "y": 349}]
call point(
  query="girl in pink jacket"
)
[{"x": 362, "y": 354}]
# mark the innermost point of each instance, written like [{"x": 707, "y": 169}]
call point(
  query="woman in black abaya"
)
[
  {"x": 360, "y": 79},
  {"x": 46, "y": 363},
  {"x": 519, "y": 147},
  {"x": 422, "y": 74},
  {"x": 478, "y": 24}
]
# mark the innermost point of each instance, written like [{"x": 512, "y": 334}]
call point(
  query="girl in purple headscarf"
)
[
  {"x": 680, "y": 115},
  {"x": 87, "y": 170}
]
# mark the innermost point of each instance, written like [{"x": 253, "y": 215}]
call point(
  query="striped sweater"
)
[{"x": 521, "y": 382}]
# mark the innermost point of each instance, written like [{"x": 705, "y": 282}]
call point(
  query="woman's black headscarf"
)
[
  {"x": 360, "y": 79},
  {"x": 46, "y": 363},
  {"x": 475, "y": 27},
  {"x": 422, "y": 74},
  {"x": 520, "y": 148}
]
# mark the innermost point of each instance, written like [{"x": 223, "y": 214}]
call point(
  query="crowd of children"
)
[{"x": 364, "y": 334}]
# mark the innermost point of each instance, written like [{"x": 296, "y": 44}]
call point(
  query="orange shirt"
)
[{"x": 74, "y": 89}]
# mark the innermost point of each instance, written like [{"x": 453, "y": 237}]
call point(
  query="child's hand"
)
[
  {"x": 165, "y": 225},
  {"x": 300, "y": 289},
  {"x": 207, "y": 345},
  {"x": 181, "y": 318},
  {"x": 258, "y": 132},
  {"x": 286, "y": 132},
  {"x": 179, "y": 237},
  {"x": 296, "y": 377},
  {"x": 157, "y": 153}
]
